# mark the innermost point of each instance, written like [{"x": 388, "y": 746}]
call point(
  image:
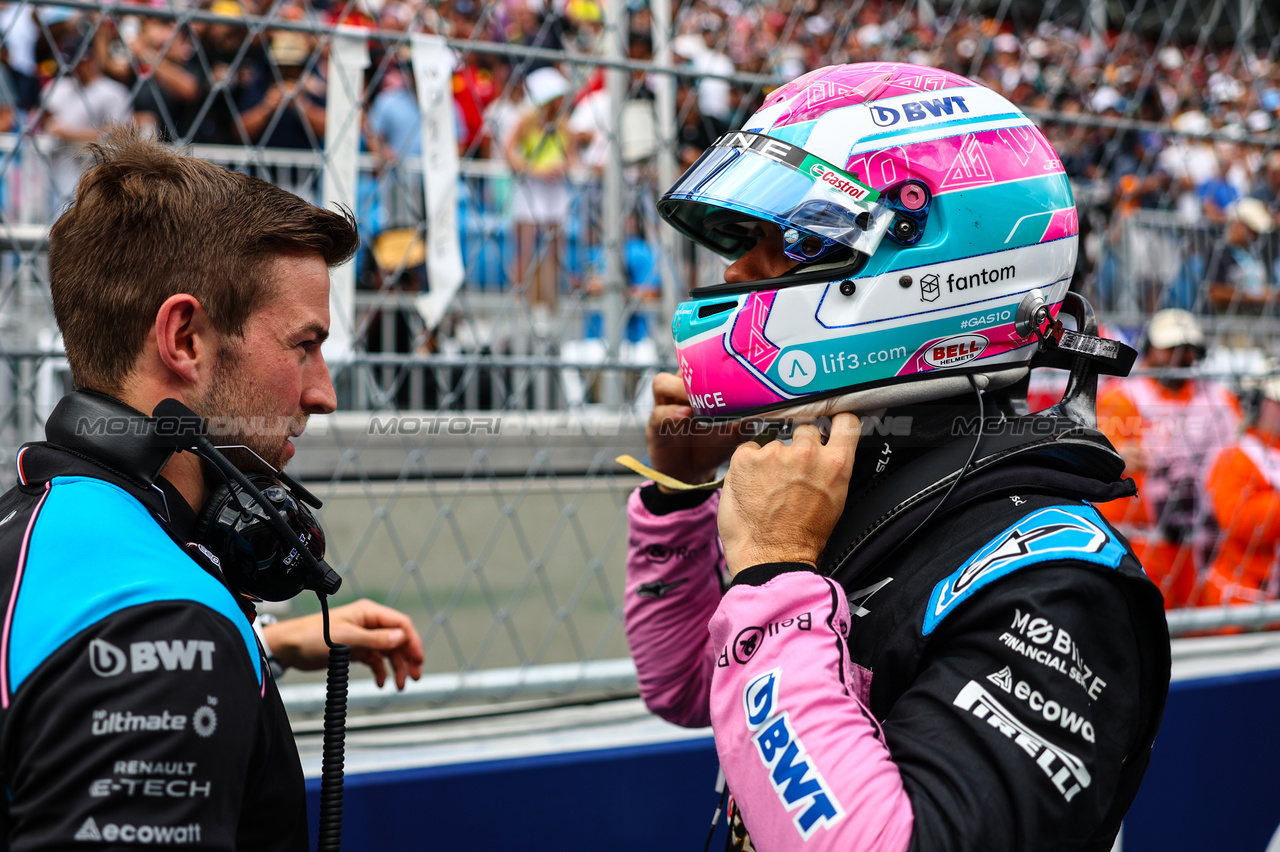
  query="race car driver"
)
[
  {"x": 136, "y": 708},
  {"x": 934, "y": 642}
]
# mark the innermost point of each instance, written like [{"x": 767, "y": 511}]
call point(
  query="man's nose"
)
[
  {"x": 318, "y": 394},
  {"x": 766, "y": 259}
]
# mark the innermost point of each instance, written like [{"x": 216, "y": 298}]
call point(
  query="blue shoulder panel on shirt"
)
[
  {"x": 1059, "y": 532},
  {"x": 95, "y": 551}
]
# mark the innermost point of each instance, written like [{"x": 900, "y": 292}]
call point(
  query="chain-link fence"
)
[{"x": 495, "y": 337}]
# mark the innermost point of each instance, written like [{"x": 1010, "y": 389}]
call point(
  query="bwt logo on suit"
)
[{"x": 107, "y": 660}]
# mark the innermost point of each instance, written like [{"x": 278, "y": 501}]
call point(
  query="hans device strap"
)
[{"x": 1063, "y": 438}]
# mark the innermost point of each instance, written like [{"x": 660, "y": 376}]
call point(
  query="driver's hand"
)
[
  {"x": 676, "y": 446},
  {"x": 781, "y": 502}
]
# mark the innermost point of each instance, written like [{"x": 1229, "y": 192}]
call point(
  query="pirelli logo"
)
[{"x": 1065, "y": 771}]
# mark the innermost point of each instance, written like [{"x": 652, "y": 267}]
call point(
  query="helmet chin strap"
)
[
  {"x": 634, "y": 464},
  {"x": 765, "y": 435},
  {"x": 862, "y": 402}
]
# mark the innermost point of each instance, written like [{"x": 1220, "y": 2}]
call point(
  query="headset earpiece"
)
[
  {"x": 255, "y": 535},
  {"x": 251, "y": 552}
]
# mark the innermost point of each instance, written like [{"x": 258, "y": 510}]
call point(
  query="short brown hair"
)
[{"x": 148, "y": 223}]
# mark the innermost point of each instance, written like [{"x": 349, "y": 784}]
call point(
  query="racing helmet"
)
[{"x": 922, "y": 210}]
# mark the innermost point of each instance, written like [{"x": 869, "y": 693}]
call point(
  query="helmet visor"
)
[{"x": 764, "y": 178}]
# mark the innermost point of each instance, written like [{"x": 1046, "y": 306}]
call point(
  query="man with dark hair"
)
[{"x": 136, "y": 706}]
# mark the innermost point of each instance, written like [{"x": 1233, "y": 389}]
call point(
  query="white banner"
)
[
  {"x": 433, "y": 63},
  {"x": 348, "y": 57}
]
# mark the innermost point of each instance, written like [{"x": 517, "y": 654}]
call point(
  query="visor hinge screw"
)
[
  {"x": 1032, "y": 312},
  {"x": 847, "y": 288},
  {"x": 905, "y": 281}
]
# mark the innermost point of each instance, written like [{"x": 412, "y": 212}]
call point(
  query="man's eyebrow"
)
[{"x": 318, "y": 331}]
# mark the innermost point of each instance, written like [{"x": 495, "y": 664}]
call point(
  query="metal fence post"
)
[
  {"x": 613, "y": 210},
  {"x": 668, "y": 149}
]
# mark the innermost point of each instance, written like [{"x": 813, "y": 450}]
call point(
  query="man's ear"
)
[{"x": 185, "y": 339}]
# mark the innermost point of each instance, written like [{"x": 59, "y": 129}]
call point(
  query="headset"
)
[
  {"x": 267, "y": 543},
  {"x": 237, "y": 529},
  {"x": 269, "y": 546}
]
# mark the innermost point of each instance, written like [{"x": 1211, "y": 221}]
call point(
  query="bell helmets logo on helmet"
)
[
  {"x": 954, "y": 351},
  {"x": 957, "y": 178}
]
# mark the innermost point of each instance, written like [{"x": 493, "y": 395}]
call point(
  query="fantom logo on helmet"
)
[{"x": 887, "y": 172}]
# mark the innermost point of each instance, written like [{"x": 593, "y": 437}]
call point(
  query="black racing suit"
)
[
  {"x": 136, "y": 709},
  {"x": 990, "y": 678}
]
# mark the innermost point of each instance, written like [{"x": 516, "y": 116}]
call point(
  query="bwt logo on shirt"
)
[
  {"x": 796, "y": 780},
  {"x": 107, "y": 660},
  {"x": 887, "y": 116}
]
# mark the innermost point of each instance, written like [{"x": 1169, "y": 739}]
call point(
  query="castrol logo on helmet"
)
[
  {"x": 953, "y": 351},
  {"x": 839, "y": 182}
]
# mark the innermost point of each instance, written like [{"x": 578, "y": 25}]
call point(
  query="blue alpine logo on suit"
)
[{"x": 1060, "y": 532}]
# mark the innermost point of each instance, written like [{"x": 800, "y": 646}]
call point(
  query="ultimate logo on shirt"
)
[{"x": 794, "y": 777}]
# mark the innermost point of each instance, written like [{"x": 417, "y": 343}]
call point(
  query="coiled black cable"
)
[{"x": 335, "y": 734}]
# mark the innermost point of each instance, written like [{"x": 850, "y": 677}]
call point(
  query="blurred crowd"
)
[
  {"x": 1206, "y": 110},
  {"x": 1206, "y": 459},
  {"x": 1172, "y": 146}
]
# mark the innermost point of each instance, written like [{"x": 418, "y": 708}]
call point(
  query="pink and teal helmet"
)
[{"x": 923, "y": 209}]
